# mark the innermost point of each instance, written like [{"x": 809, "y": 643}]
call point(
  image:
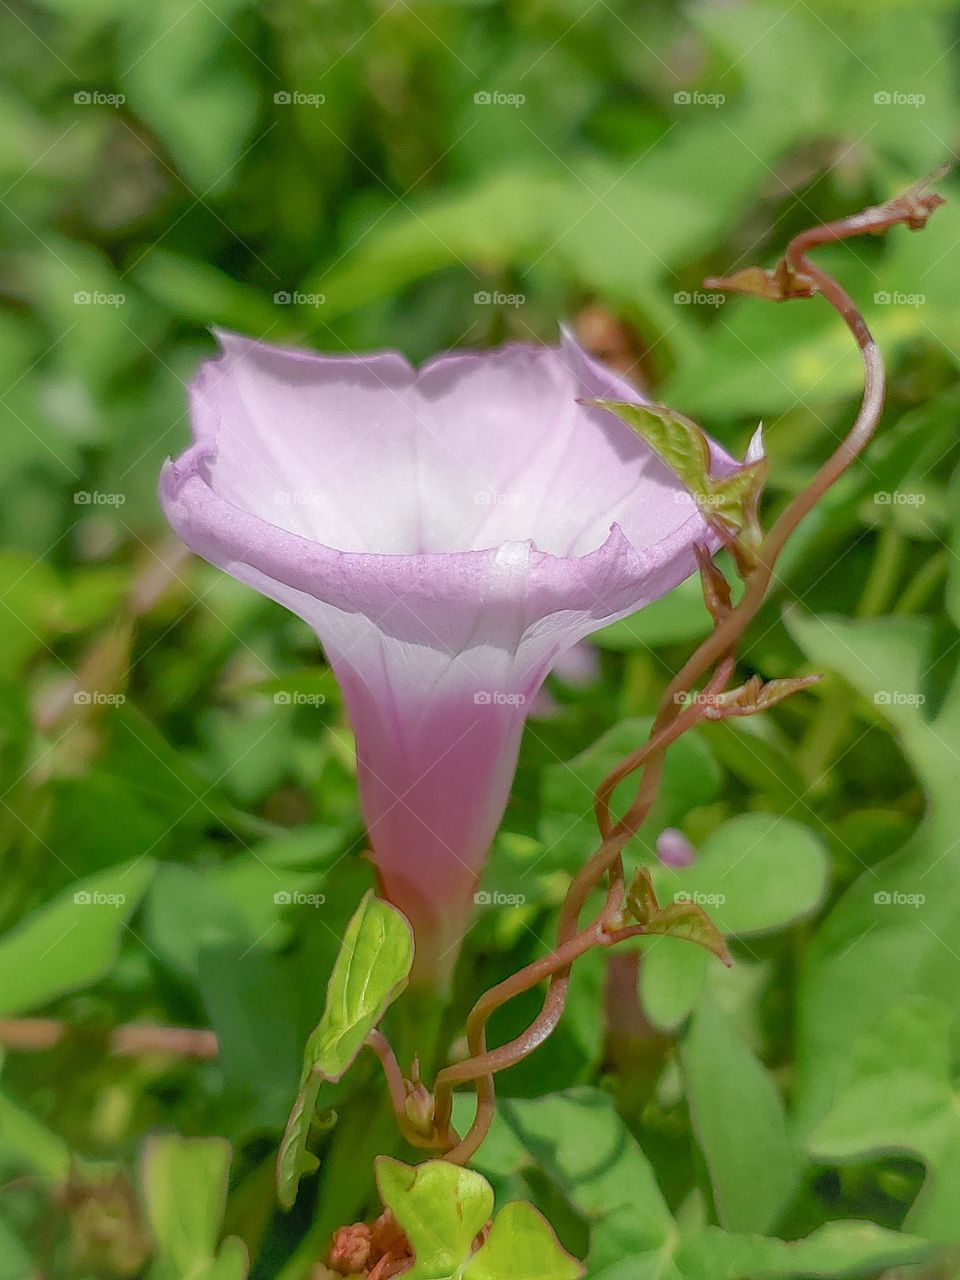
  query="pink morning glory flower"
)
[{"x": 448, "y": 532}]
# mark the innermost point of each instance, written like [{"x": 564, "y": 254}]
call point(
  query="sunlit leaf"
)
[{"x": 370, "y": 971}]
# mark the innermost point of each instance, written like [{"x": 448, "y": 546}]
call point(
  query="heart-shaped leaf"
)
[
  {"x": 443, "y": 1208},
  {"x": 757, "y": 873},
  {"x": 521, "y": 1243}
]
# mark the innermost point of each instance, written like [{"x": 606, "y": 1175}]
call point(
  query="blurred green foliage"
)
[{"x": 180, "y": 836}]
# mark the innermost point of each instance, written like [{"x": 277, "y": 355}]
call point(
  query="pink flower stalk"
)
[{"x": 448, "y": 532}]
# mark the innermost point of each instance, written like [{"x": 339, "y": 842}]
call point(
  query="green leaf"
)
[
  {"x": 896, "y": 1094},
  {"x": 740, "y": 1123},
  {"x": 582, "y": 1145},
  {"x": 757, "y": 873},
  {"x": 837, "y": 1251},
  {"x": 27, "y": 1143},
  {"x": 730, "y": 500},
  {"x": 522, "y": 1246},
  {"x": 72, "y": 941},
  {"x": 687, "y": 922},
  {"x": 370, "y": 971},
  {"x": 185, "y": 1189},
  {"x": 892, "y": 934},
  {"x": 679, "y": 442},
  {"x": 442, "y": 1208},
  {"x": 840, "y": 1249},
  {"x": 180, "y": 65}
]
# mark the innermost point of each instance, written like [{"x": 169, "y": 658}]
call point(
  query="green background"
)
[{"x": 349, "y": 176}]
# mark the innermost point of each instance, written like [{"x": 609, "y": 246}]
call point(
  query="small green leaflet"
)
[
  {"x": 682, "y": 918},
  {"x": 370, "y": 971},
  {"x": 442, "y": 1208},
  {"x": 728, "y": 501}
]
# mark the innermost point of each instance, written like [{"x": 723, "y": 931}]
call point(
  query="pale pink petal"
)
[{"x": 346, "y": 489}]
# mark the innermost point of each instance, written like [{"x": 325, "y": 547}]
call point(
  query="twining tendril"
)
[{"x": 796, "y": 276}]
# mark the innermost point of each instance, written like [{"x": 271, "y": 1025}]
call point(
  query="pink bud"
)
[{"x": 674, "y": 849}]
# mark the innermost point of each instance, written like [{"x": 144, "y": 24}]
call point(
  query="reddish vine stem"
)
[{"x": 796, "y": 276}]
